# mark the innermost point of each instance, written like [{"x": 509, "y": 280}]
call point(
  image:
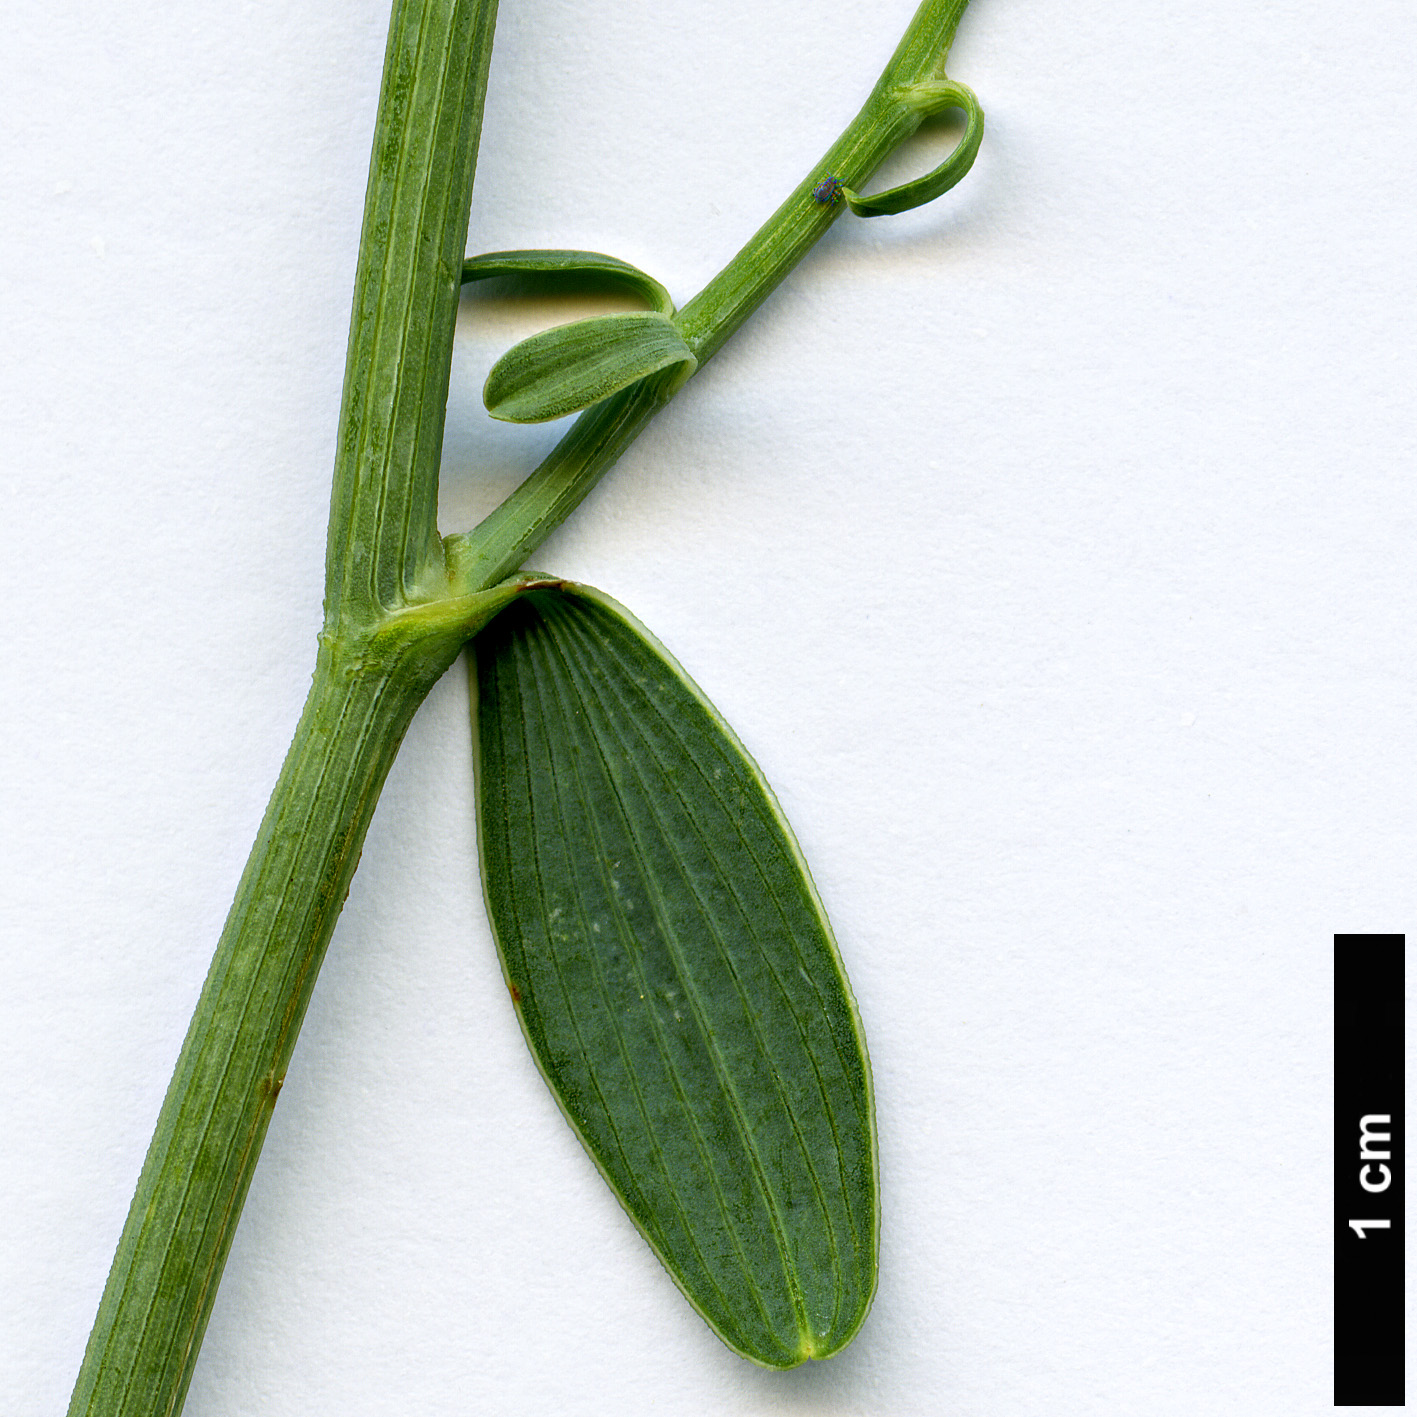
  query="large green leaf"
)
[{"x": 675, "y": 975}]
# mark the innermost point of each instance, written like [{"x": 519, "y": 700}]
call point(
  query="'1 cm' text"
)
[{"x": 1374, "y": 1179}]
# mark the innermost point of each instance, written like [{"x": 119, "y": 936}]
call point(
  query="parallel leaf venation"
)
[
  {"x": 769, "y": 860},
  {"x": 756, "y": 812},
  {"x": 677, "y": 979},
  {"x": 534, "y": 951},
  {"x": 595, "y": 826},
  {"x": 667, "y": 722}
]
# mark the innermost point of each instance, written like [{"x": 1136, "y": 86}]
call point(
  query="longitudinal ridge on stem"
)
[{"x": 383, "y": 547}]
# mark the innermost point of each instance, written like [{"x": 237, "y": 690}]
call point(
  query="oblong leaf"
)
[
  {"x": 570, "y": 264},
  {"x": 570, "y": 367},
  {"x": 675, "y": 975},
  {"x": 935, "y": 96}
]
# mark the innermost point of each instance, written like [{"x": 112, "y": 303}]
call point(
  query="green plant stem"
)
[
  {"x": 889, "y": 116},
  {"x": 219, "y": 1104},
  {"x": 383, "y": 553},
  {"x": 399, "y": 604},
  {"x": 383, "y": 547}
]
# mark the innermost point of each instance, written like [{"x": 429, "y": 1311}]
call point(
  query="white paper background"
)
[{"x": 1050, "y": 547}]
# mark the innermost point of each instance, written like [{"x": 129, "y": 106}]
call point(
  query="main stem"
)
[
  {"x": 383, "y": 553},
  {"x": 219, "y": 1104},
  {"x": 399, "y": 604}
]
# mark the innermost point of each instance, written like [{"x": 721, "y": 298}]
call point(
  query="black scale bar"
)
[{"x": 1368, "y": 1174}]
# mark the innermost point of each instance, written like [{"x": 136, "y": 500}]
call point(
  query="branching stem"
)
[{"x": 399, "y": 605}]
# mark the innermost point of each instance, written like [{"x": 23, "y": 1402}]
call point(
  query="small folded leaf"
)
[
  {"x": 570, "y": 367},
  {"x": 569, "y": 264},
  {"x": 675, "y": 975},
  {"x": 932, "y": 97}
]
